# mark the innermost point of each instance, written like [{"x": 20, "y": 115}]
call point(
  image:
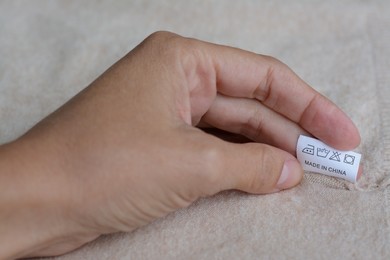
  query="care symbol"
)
[
  {"x": 322, "y": 152},
  {"x": 350, "y": 159},
  {"x": 309, "y": 149},
  {"x": 335, "y": 156}
]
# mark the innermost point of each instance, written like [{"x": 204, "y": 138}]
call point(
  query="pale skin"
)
[{"x": 128, "y": 149}]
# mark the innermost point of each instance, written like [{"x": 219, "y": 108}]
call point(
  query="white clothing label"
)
[{"x": 315, "y": 156}]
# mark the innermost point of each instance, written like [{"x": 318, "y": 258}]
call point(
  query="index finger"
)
[{"x": 244, "y": 74}]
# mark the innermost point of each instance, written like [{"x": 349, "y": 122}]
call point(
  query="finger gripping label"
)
[{"x": 315, "y": 156}]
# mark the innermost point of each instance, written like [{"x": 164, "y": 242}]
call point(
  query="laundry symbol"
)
[
  {"x": 322, "y": 152},
  {"x": 335, "y": 156},
  {"x": 309, "y": 149},
  {"x": 350, "y": 159}
]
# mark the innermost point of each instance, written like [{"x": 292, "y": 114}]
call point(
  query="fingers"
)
[
  {"x": 251, "y": 167},
  {"x": 252, "y": 119},
  {"x": 244, "y": 74}
]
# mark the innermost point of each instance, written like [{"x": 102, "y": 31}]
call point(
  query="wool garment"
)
[{"x": 50, "y": 50}]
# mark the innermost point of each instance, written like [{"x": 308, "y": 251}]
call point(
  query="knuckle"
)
[
  {"x": 276, "y": 71},
  {"x": 267, "y": 172},
  {"x": 209, "y": 173},
  {"x": 254, "y": 124},
  {"x": 173, "y": 50},
  {"x": 162, "y": 38},
  {"x": 169, "y": 45},
  {"x": 272, "y": 60},
  {"x": 160, "y": 34},
  {"x": 263, "y": 91},
  {"x": 212, "y": 162}
]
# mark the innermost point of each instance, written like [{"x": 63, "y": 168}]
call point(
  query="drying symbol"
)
[
  {"x": 335, "y": 156},
  {"x": 322, "y": 152},
  {"x": 350, "y": 159},
  {"x": 309, "y": 149}
]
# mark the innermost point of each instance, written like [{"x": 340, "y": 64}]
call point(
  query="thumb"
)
[{"x": 252, "y": 167}]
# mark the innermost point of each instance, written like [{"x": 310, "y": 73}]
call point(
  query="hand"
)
[{"x": 126, "y": 150}]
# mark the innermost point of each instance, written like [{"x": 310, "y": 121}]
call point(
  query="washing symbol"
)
[
  {"x": 322, "y": 152},
  {"x": 350, "y": 159},
  {"x": 309, "y": 149},
  {"x": 335, "y": 156}
]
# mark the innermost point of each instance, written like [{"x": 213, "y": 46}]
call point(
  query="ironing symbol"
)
[{"x": 309, "y": 149}]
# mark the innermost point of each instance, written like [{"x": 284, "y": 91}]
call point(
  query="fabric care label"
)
[{"x": 315, "y": 156}]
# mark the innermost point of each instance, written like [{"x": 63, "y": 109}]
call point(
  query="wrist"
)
[{"x": 36, "y": 214}]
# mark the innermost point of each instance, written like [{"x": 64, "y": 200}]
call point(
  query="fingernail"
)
[{"x": 290, "y": 176}]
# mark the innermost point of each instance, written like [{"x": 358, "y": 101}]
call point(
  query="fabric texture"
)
[{"x": 50, "y": 50}]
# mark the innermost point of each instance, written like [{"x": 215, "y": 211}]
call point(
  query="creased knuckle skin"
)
[
  {"x": 266, "y": 172},
  {"x": 254, "y": 125}
]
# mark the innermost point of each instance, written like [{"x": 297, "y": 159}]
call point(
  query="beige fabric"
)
[{"x": 49, "y": 50}]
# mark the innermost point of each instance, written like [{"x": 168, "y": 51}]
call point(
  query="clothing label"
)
[{"x": 315, "y": 156}]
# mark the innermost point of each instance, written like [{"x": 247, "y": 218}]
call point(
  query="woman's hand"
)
[{"x": 127, "y": 149}]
